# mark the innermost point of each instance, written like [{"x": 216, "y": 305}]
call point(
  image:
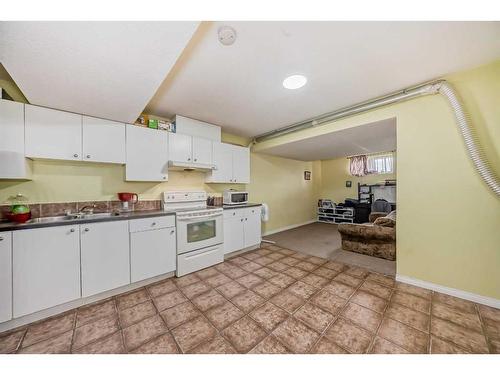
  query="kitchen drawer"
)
[
  {"x": 199, "y": 259},
  {"x": 234, "y": 212},
  {"x": 139, "y": 225},
  {"x": 252, "y": 211}
]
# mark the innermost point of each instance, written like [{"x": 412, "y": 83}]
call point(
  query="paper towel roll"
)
[{"x": 264, "y": 214}]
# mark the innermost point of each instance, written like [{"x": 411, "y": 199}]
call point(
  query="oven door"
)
[{"x": 198, "y": 232}]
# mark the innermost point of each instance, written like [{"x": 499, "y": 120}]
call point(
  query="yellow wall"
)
[
  {"x": 335, "y": 172},
  {"x": 448, "y": 220},
  {"x": 280, "y": 183}
]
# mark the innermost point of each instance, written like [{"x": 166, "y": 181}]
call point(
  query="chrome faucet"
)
[{"x": 89, "y": 209}]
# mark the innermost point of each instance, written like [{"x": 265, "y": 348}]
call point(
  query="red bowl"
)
[{"x": 19, "y": 218}]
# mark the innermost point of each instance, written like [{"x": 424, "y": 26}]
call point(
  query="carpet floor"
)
[{"x": 323, "y": 240}]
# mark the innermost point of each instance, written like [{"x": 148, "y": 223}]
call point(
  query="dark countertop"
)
[
  {"x": 232, "y": 207},
  {"x": 9, "y": 226}
]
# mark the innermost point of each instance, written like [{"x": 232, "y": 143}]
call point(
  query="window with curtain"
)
[
  {"x": 380, "y": 164},
  {"x": 363, "y": 165}
]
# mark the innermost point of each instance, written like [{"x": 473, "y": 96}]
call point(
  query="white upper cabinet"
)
[
  {"x": 189, "y": 149},
  {"x": 105, "y": 256},
  {"x": 13, "y": 163},
  {"x": 46, "y": 268},
  {"x": 241, "y": 165},
  {"x": 52, "y": 134},
  {"x": 223, "y": 160},
  {"x": 103, "y": 140},
  {"x": 202, "y": 150},
  {"x": 147, "y": 154},
  {"x": 5, "y": 276},
  {"x": 232, "y": 164},
  {"x": 180, "y": 147}
]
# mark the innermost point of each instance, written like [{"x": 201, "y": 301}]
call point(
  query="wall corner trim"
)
[
  {"x": 488, "y": 301},
  {"x": 282, "y": 229}
]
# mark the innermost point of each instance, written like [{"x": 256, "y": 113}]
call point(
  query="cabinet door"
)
[
  {"x": 241, "y": 165},
  {"x": 46, "y": 268},
  {"x": 202, "y": 150},
  {"x": 147, "y": 154},
  {"x": 13, "y": 164},
  {"x": 103, "y": 140},
  {"x": 152, "y": 253},
  {"x": 180, "y": 147},
  {"x": 233, "y": 234},
  {"x": 223, "y": 161},
  {"x": 252, "y": 228},
  {"x": 52, "y": 134},
  {"x": 5, "y": 276},
  {"x": 105, "y": 256}
]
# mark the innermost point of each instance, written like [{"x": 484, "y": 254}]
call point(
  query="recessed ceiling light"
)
[{"x": 294, "y": 82}]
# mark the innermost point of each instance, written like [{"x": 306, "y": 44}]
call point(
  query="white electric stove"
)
[{"x": 199, "y": 230}]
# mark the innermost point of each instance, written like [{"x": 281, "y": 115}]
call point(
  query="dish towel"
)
[{"x": 264, "y": 214}]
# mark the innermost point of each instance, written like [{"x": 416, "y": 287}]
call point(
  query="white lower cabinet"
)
[
  {"x": 252, "y": 226},
  {"x": 242, "y": 228},
  {"x": 105, "y": 256},
  {"x": 152, "y": 252},
  {"x": 233, "y": 231},
  {"x": 46, "y": 268},
  {"x": 5, "y": 276}
]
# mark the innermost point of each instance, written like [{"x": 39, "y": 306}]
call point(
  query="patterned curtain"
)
[{"x": 357, "y": 166}]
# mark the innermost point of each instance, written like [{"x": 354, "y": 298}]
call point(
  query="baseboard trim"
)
[
  {"x": 282, "y": 229},
  {"x": 477, "y": 298}
]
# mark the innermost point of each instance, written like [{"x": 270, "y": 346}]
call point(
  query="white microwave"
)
[{"x": 235, "y": 197}]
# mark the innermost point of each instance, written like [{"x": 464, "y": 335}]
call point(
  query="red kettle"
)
[{"x": 128, "y": 197}]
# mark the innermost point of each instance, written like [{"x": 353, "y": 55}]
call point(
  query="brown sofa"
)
[{"x": 377, "y": 238}]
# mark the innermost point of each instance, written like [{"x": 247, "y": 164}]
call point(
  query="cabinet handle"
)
[
  {"x": 153, "y": 223},
  {"x": 172, "y": 231},
  {"x": 246, "y": 219},
  {"x": 241, "y": 219},
  {"x": 164, "y": 177},
  {"x": 195, "y": 159},
  {"x": 1, "y": 238},
  {"x": 88, "y": 156},
  {"x": 86, "y": 229},
  {"x": 75, "y": 155},
  {"x": 72, "y": 230},
  {"x": 189, "y": 159}
]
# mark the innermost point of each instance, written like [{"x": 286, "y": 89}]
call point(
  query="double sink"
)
[{"x": 70, "y": 217}]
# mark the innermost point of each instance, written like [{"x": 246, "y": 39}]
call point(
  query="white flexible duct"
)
[
  {"x": 469, "y": 136},
  {"x": 442, "y": 87}
]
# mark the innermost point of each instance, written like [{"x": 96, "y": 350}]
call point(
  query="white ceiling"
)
[
  {"x": 364, "y": 139},
  {"x": 240, "y": 87},
  {"x": 105, "y": 69}
]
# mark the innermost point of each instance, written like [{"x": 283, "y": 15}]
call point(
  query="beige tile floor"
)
[{"x": 271, "y": 300}]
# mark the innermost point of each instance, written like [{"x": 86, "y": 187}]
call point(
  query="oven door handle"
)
[{"x": 198, "y": 217}]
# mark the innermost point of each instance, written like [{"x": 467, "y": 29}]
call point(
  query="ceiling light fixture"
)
[{"x": 294, "y": 82}]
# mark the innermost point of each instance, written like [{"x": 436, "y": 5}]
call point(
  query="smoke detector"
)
[{"x": 226, "y": 35}]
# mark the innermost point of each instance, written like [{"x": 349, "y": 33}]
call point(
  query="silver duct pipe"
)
[{"x": 442, "y": 87}]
